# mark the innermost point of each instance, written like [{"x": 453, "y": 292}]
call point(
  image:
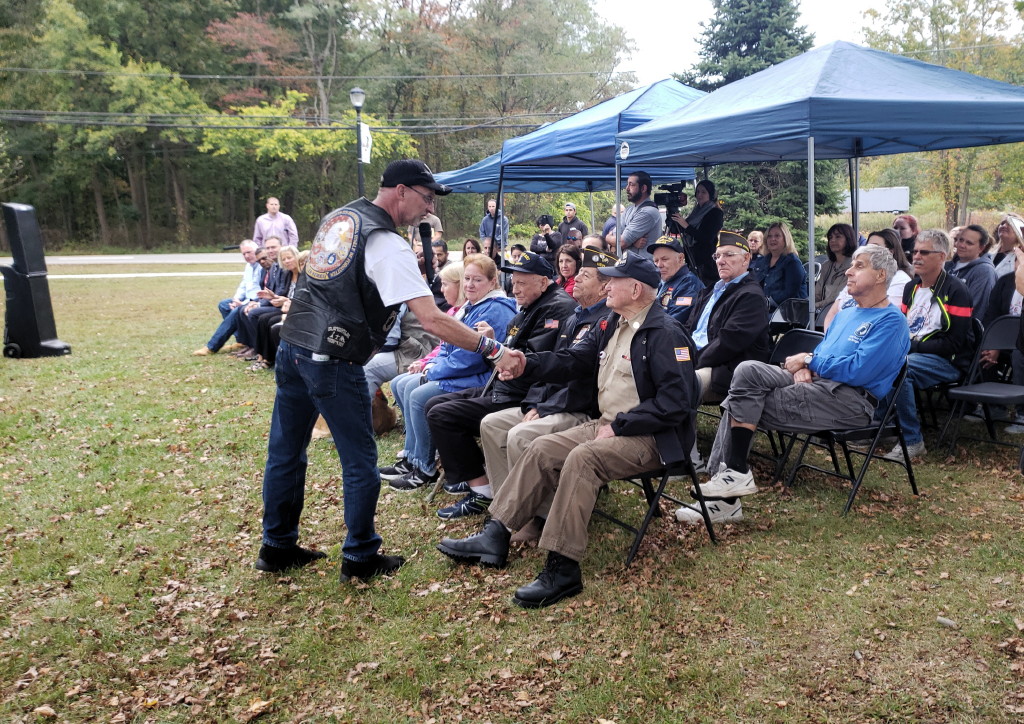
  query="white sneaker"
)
[
  {"x": 916, "y": 450},
  {"x": 729, "y": 484},
  {"x": 718, "y": 510}
]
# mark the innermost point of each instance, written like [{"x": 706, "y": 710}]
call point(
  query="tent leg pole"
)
[
  {"x": 618, "y": 205},
  {"x": 810, "y": 230}
]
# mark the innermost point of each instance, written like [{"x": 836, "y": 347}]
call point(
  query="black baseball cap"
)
[
  {"x": 412, "y": 172},
  {"x": 597, "y": 259},
  {"x": 529, "y": 264},
  {"x": 634, "y": 266},
  {"x": 667, "y": 242}
]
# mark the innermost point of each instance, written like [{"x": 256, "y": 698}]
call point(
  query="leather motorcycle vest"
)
[{"x": 336, "y": 309}]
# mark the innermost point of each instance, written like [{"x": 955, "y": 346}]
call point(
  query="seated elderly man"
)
[
  {"x": 644, "y": 388},
  {"x": 679, "y": 286},
  {"x": 730, "y": 324},
  {"x": 454, "y": 418},
  {"x": 836, "y": 386},
  {"x": 549, "y": 406},
  {"x": 938, "y": 308}
]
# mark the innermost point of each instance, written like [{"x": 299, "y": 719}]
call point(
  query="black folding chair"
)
[
  {"x": 887, "y": 426},
  {"x": 654, "y": 495},
  {"x": 1001, "y": 336},
  {"x": 791, "y": 314},
  {"x": 927, "y": 398}
]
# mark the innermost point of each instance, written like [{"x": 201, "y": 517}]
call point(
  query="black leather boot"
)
[
  {"x": 376, "y": 565},
  {"x": 560, "y": 579},
  {"x": 489, "y": 547}
]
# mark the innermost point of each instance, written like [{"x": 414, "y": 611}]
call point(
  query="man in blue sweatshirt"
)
[{"x": 837, "y": 386}]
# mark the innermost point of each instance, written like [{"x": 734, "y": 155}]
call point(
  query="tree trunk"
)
[
  {"x": 101, "y": 211},
  {"x": 183, "y": 229},
  {"x": 136, "y": 168}
]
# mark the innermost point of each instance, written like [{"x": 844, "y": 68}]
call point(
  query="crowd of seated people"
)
[{"x": 591, "y": 329}]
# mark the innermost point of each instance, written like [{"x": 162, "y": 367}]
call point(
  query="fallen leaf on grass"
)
[{"x": 44, "y": 711}]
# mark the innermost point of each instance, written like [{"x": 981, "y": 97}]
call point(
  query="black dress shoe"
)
[
  {"x": 376, "y": 565},
  {"x": 489, "y": 547},
  {"x": 560, "y": 579},
  {"x": 274, "y": 560}
]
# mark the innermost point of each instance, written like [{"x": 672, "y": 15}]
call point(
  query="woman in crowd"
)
[
  {"x": 472, "y": 246},
  {"x": 700, "y": 231},
  {"x": 904, "y": 272},
  {"x": 907, "y": 227},
  {"x": 755, "y": 240},
  {"x": 779, "y": 270},
  {"x": 1008, "y": 234},
  {"x": 841, "y": 243},
  {"x": 972, "y": 265},
  {"x": 570, "y": 259},
  {"x": 452, "y": 370}
]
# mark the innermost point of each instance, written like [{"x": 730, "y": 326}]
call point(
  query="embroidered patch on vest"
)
[
  {"x": 682, "y": 354},
  {"x": 334, "y": 247}
]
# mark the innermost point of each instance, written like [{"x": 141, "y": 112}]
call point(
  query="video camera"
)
[{"x": 672, "y": 200}]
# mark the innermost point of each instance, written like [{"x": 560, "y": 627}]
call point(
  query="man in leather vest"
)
[{"x": 359, "y": 271}]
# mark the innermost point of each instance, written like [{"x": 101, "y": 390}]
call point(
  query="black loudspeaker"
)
[{"x": 29, "y": 330}]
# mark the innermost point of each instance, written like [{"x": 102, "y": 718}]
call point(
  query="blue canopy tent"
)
[
  {"x": 837, "y": 101},
  {"x": 577, "y": 152}
]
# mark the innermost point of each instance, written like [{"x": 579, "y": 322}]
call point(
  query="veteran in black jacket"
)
[
  {"x": 729, "y": 321},
  {"x": 454, "y": 419},
  {"x": 645, "y": 389}
]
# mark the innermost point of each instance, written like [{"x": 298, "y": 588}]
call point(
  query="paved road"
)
[{"x": 230, "y": 257}]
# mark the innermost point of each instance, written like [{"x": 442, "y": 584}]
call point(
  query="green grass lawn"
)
[{"x": 131, "y": 476}]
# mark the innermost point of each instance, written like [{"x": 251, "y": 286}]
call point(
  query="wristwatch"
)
[{"x": 807, "y": 360}]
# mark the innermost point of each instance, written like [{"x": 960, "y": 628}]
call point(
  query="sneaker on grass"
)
[
  {"x": 414, "y": 479},
  {"x": 718, "y": 510},
  {"x": 728, "y": 484},
  {"x": 472, "y": 504},
  {"x": 915, "y": 450},
  {"x": 400, "y": 468}
]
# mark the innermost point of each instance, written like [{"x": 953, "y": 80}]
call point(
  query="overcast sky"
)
[{"x": 666, "y": 31}]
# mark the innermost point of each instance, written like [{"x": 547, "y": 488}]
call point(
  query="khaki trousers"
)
[
  {"x": 504, "y": 438},
  {"x": 571, "y": 465}
]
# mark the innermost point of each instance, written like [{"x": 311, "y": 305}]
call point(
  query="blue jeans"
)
[
  {"x": 224, "y": 306},
  {"x": 412, "y": 393},
  {"x": 923, "y": 370},
  {"x": 337, "y": 390},
  {"x": 227, "y": 327}
]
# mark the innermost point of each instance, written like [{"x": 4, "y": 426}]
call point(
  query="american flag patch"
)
[
  {"x": 551, "y": 324},
  {"x": 682, "y": 354},
  {"x": 684, "y": 301}
]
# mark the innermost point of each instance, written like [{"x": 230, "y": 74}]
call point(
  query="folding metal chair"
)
[
  {"x": 888, "y": 425},
  {"x": 653, "y": 496},
  {"x": 927, "y": 398},
  {"x": 1001, "y": 336},
  {"x": 791, "y": 314}
]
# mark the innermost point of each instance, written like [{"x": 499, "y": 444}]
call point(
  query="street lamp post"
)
[{"x": 358, "y": 96}]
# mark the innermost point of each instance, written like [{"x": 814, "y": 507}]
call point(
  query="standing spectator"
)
[
  {"x": 275, "y": 223},
  {"x": 700, "y": 230},
  {"x": 972, "y": 265},
  {"x": 360, "y": 270},
  {"x": 779, "y": 270},
  {"x": 571, "y": 221},
  {"x": 494, "y": 225},
  {"x": 840, "y": 245},
  {"x": 609, "y": 224},
  {"x": 546, "y": 241},
  {"x": 641, "y": 222},
  {"x": 907, "y": 227},
  {"x": 436, "y": 230}
]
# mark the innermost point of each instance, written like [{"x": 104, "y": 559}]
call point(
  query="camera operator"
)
[
  {"x": 546, "y": 242},
  {"x": 641, "y": 221},
  {"x": 700, "y": 231}
]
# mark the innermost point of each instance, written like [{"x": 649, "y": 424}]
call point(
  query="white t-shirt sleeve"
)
[{"x": 391, "y": 265}]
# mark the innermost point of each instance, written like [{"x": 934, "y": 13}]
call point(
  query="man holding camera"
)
[
  {"x": 546, "y": 241},
  {"x": 642, "y": 220}
]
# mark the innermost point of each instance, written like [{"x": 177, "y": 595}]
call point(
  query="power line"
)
[{"x": 194, "y": 76}]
